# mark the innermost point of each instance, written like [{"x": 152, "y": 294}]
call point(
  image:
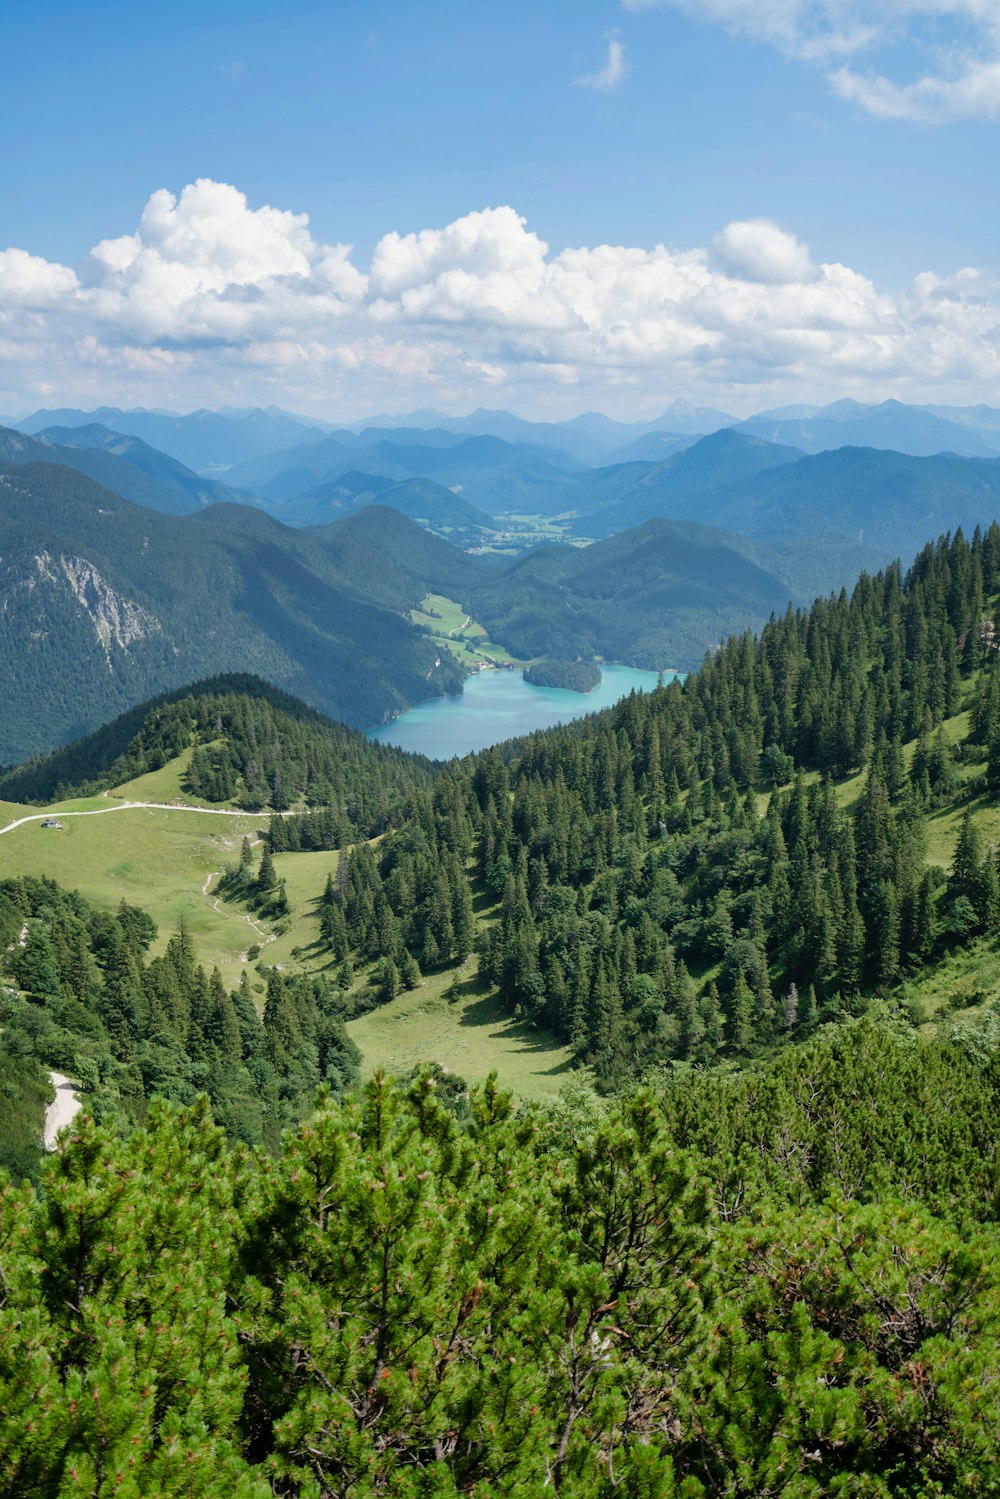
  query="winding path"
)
[
  {"x": 62, "y": 1111},
  {"x": 138, "y": 806}
]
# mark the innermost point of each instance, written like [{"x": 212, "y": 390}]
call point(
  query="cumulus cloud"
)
[
  {"x": 760, "y": 250},
  {"x": 211, "y": 300},
  {"x": 961, "y": 37},
  {"x": 614, "y": 70},
  {"x": 29, "y": 281}
]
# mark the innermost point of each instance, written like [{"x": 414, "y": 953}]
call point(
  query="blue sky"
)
[{"x": 867, "y": 132}]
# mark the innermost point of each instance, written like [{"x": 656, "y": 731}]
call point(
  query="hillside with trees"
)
[
  {"x": 105, "y": 604},
  {"x": 82, "y": 991},
  {"x": 252, "y": 747},
  {"x": 785, "y": 1282},
  {"x": 715, "y": 869},
  {"x": 571, "y": 676},
  {"x": 773, "y": 1268}
]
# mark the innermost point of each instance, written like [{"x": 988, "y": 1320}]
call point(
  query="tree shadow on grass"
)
[{"x": 487, "y": 1011}]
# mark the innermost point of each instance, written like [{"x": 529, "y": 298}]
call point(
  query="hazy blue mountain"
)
[
  {"x": 693, "y": 421},
  {"x": 188, "y": 490},
  {"x": 202, "y": 440},
  {"x": 798, "y": 412},
  {"x": 426, "y": 452},
  {"x": 278, "y": 411},
  {"x": 291, "y": 471},
  {"x": 981, "y": 418},
  {"x": 586, "y": 438},
  {"x": 490, "y": 473},
  {"x": 424, "y": 416},
  {"x": 612, "y": 499},
  {"x": 598, "y": 433},
  {"x": 421, "y": 499},
  {"x": 892, "y": 501},
  {"x": 652, "y": 447},
  {"x": 506, "y": 478},
  {"x": 130, "y": 467},
  {"x": 892, "y": 425},
  {"x": 889, "y": 501},
  {"x": 424, "y": 437}
]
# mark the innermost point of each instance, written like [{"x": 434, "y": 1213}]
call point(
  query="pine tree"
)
[
  {"x": 35, "y": 965},
  {"x": 739, "y": 1020},
  {"x": 267, "y": 877}
]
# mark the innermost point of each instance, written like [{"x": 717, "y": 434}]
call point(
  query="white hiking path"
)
[
  {"x": 62, "y": 1111},
  {"x": 142, "y": 806},
  {"x": 265, "y": 937}
]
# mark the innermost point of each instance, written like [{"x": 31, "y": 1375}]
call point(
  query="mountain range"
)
[
  {"x": 125, "y": 464},
  {"x": 125, "y": 572},
  {"x": 209, "y": 441},
  {"x": 104, "y": 602},
  {"x": 916, "y": 430},
  {"x": 213, "y": 441},
  {"x": 457, "y": 481},
  {"x": 889, "y": 500}
]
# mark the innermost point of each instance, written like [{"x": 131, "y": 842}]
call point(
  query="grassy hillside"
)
[{"x": 168, "y": 864}]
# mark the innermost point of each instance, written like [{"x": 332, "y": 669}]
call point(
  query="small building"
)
[{"x": 51, "y": 822}]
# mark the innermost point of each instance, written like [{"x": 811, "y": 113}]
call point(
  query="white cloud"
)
[
  {"x": 760, "y": 250},
  {"x": 614, "y": 70},
  {"x": 971, "y": 92},
  {"x": 211, "y": 301},
  {"x": 29, "y": 281},
  {"x": 960, "y": 37}
]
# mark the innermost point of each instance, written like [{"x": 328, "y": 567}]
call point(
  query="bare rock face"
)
[{"x": 115, "y": 617}]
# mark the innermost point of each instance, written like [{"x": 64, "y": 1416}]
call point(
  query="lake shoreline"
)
[{"x": 497, "y": 705}]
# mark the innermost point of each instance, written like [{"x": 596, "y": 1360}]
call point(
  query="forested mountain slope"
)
[
  {"x": 682, "y": 877},
  {"x": 422, "y": 500},
  {"x": 777, "y": 1274},
  {"x": 893, "y": 500},
  {"x": 105, "y": 603},
  {"x": 254, "y": 747},
  {"x": 188, "y": 490},
  {"x": 627, "y": 494},
  {"x": 659, "y": 595}
]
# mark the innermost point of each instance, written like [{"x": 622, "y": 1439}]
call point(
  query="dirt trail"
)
[
  {"x": 63, "y": 1111},
  {"x": 265, "y": 937},
  {"x": 140, "y": 806}
]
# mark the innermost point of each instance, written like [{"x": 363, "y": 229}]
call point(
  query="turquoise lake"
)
[{"x": 498, "y": 705}]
